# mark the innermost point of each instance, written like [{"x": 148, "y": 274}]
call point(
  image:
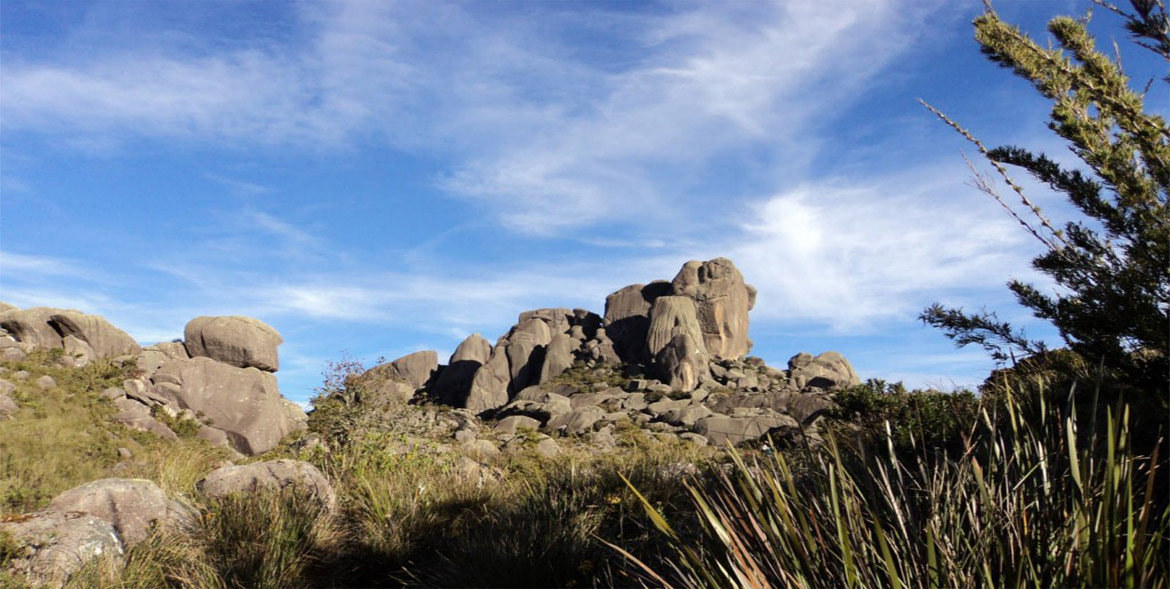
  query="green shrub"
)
[{"x": 914, "y": 418}]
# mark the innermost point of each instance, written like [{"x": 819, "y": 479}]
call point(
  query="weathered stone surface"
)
[
  {"x": 557, "y": 358},
  {"x": 31, "y": 326},
  {"x": 687, "y": 416},
  {"x": 453, "y": 386},
  {"x": 722, "y": 428},
  {"x": 239, "y": 341},
  {"x": 627, "y": 318},
  {"x": 414, "y": 369},
  {"x": 489, "y": 386},
  {"x": 722, "y": 300},
  {"x": 577, "y": 421},
  {"x": 51, "y": 546},
  {"x": 133, "y": 414},
  {"x": 271, "y": 475},
  {"x": 510, "y": 424},
  {"x": 243, "y": 402},
  {"x": 829, "y": 370},
  {"x": 601, "y": 349},
  {"x": 669, "y": 317},
  {"x": 103, "y": 339},
  {"x": 131, "y": 506},
  {"x": 682, "y": 363},
  {"x": 8, "y": 407},
  {"x": 45, "y": 382},
  {"x": 807, "y": 407},
  {"x": 525, "y": 347},
  {"x": 558, "y": 320},
  {"x": 7, "y": 386}
]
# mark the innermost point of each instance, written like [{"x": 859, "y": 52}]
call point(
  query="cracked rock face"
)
[
  {"x": 722, "y": 301},
  {"x": 51, "y": 546}
]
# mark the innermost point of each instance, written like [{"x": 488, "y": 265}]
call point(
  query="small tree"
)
[{"x": 1112, "y": 269}]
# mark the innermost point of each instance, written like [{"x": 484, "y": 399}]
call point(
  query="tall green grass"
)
[{"x": 1032, "y": 500}]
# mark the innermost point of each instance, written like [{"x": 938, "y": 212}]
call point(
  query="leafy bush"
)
[{"x": 930, "y": 418}]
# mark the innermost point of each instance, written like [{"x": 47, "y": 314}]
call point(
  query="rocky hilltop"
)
[
  {"x": 666, "y": 356},
  {"x": 666, "y": 363},
  {"x": 670, "y": 357}
]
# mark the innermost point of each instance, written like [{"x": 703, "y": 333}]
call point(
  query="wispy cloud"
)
[{"x": 543, "y": 136}]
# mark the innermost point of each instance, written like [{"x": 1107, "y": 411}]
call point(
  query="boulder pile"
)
[
  {"x": 670, "y": 357},
  {"x": 220, "y": 376}
]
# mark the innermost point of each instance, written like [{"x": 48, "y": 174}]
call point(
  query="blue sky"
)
[{"x": 375, "y": 178}]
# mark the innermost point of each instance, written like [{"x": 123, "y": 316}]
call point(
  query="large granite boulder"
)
[
  {"x": 557, "y": 358},
  {"x": 682, "y": 363},
  {"x": 415, "y": 369},
  {"x": 828, "y": 371},
  {"x": 48, "y": 547},
  {"x": 239, "y": 341},
  {"x": 272, "y": 475},
  {"x": 627, "y": 318},
  {"x": 94, "y": 334},
  {"x": 720, "y": 429},
  {"x": 453, "y": 386},
  {"x": 31, "y": 327},
  {"x": 722, "y": 300},
  {"x": 489, "y": 386},
  {"x": 132, "y": 506},
  {"x": 244, "y": 403},
  {"x": 671, "y": 316}
]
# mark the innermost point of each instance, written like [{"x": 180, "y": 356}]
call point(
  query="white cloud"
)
[
  {"x": 850, "y": 256},
  {"x": 544, "y": 136}
]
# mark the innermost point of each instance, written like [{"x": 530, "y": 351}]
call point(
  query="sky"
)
[{"x": 377, "y": 178}]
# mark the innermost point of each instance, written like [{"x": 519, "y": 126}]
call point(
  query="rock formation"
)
[
  {"x": 689, "y": 335},
  {"x": 239, "y": 341},
  {"x": 221, "y": 376}
]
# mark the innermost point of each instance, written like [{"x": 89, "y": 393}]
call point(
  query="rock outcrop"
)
[
  {"x": 53, "y": 545},
  {"x": 723, "y": 301},
  {"x": 131, "y": 506},
  {"x": 689, "y": 335},
  {"x": 273, "y": 475},
  {"x": 82, "y": 336},
  {"x": 243, "y": 403}
]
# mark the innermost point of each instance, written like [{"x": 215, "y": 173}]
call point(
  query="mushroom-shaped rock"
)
[
  {"x": 829, "y": 370},
  {"x": 272, "y": 475},
  {"x": 50, "y": 546},
  {"x": 102, "y": 339},
  {"x": 239, "y": 341},
  {"x": 682, "y": 363},
  {"x": 669, "y": 317},
  {"x": 242, "y": 402},
  {"x": 723, "y": 301},
  {"x": 131, "y": 506}
]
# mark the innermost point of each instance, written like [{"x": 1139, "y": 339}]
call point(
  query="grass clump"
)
[{"x": 1033, "y": 500}]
